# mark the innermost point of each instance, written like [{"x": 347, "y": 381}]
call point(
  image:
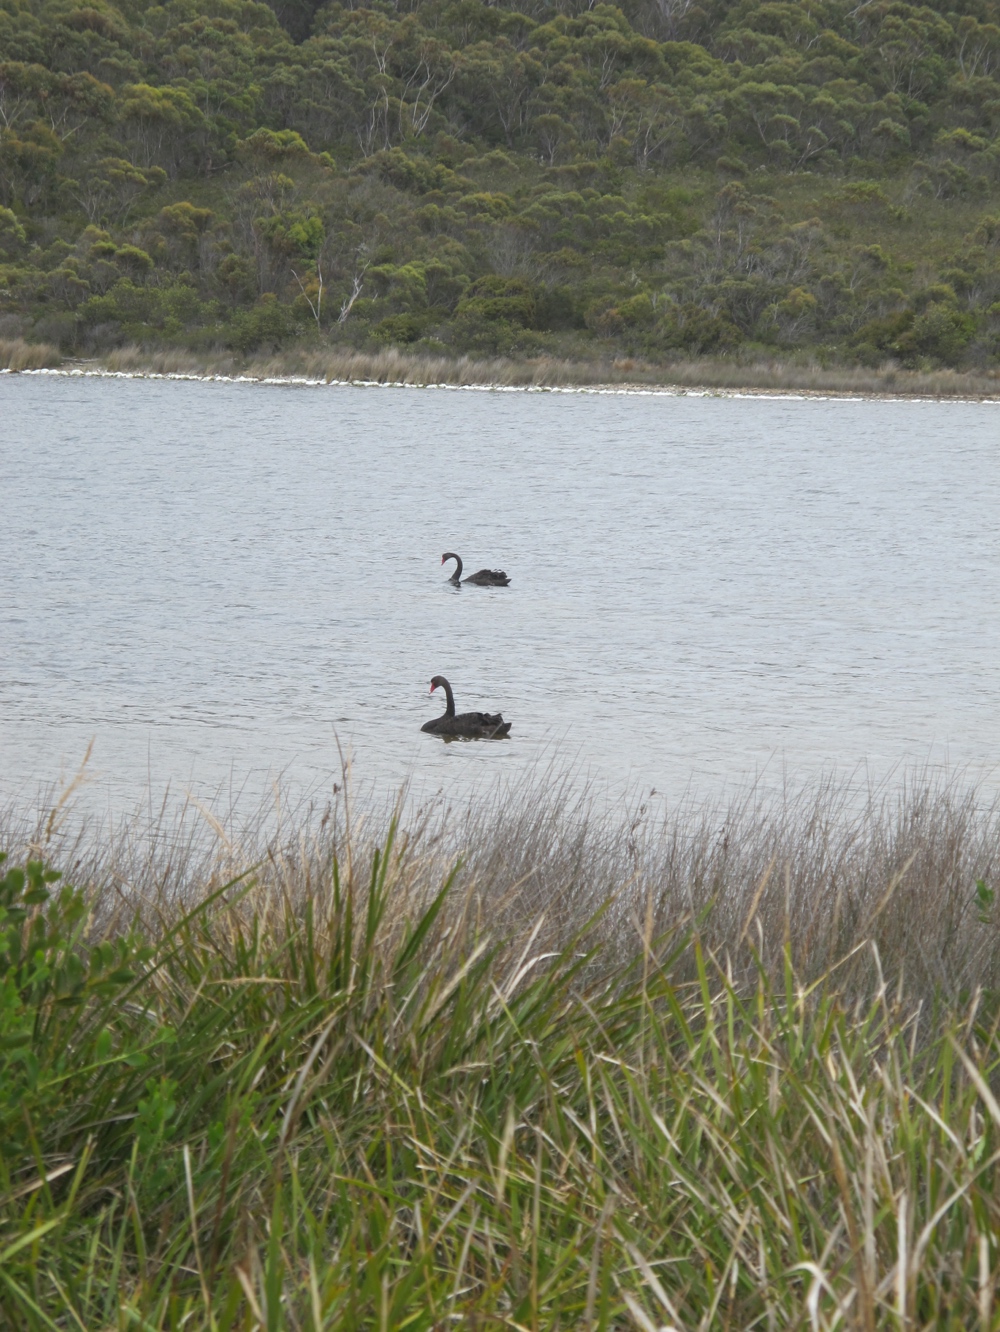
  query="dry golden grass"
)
[
  {"x": 390, "y": 366},
  {"x": 16, "y": 354},
  {"x": 396, "y": 366}
]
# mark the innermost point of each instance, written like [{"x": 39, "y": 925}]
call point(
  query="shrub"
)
[
  {"x": 692, "y": 329},
  {"x": 267, "y": 325},
  {"x": 399, "y": 328},
  {"x": 138, "y": 314},
  {"x": 495, "y": 299},
  {"x": 494, "y": 315},
  {"x": 940, "y": 333},
  {"x": 557, "y": 308}
]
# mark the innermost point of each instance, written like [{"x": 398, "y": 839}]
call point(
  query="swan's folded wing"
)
[{"x": 495, "y": 721}]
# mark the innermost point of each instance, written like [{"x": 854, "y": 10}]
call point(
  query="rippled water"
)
[{"x": 215, "y": 581}]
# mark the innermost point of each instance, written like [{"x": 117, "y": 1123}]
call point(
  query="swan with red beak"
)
[{"x": 468, "y": 725}]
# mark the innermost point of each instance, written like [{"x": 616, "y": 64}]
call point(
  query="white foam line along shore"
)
[{"x": 605, "y": 390}]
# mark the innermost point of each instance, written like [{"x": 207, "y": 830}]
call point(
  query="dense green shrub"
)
[
  {"x": 267, "y": 325},
  {"x": 939, "y": 333},
  {"x": 400, "y": 328},
  {"x": 135, "y": 314},
  {"x": 694, "y": 330}
]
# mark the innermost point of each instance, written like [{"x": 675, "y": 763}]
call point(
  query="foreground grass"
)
[
  {"x": 396, "y": 366},
  {"x": 733, "y": 1071}
]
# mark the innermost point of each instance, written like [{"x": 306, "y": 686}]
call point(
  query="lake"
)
[{"x": 214, "y": 582}]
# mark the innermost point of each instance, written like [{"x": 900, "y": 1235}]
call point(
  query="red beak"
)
[{"x": 433, "y": 687}]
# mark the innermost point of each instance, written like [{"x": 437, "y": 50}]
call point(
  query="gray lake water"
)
[{"x": 213, "y": 582}]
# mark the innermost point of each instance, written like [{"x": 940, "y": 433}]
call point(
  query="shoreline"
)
[
  {"x": 597, "y": 389},
  {"x": 392, "y": 368}
]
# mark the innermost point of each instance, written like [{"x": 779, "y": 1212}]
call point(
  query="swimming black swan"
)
[
  {"x": 483, "y": 578},
  {"x": 472, "y": 725}
]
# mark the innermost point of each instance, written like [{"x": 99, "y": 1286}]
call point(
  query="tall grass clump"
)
[
  {"x": 516, "y": 1065},
  {"x": 16, "y": 354}
]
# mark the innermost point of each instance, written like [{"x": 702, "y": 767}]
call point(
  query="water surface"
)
[{"x": 213, "y": 582}]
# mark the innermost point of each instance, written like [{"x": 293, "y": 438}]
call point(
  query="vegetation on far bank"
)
[
  {"x": 517, "y": 1067},
  {"x": 406, "y": 366},
  {"x": 659, "y": 181}
]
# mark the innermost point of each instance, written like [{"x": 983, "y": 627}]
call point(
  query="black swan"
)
[
  {"x": 472, "y": 725},
  {"x": 483, "y": 578}
]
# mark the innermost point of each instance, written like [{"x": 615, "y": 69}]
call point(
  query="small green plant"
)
[
  {"x": 985, "y": 897},
  {"x": 59, "y": 996}
]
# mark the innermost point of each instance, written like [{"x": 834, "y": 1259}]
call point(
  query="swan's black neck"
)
[
  {"x": 450, "y": 555},
  {"x": 450, "y": 709}
]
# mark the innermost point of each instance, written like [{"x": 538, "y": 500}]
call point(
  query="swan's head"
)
[{"x": 438, "y": 680}]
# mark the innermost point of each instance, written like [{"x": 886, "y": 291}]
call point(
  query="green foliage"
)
[
  {"x": 59, "y": 996},
  {"x": 12, "y": 233},
  {"x": 494, "y": 314},
  {"x": 132, "y": 313},
  {"x": 399, "y": 328},
  {"x": 691, "y": 328},
  {"x": 985, "y": 898},
  {"x": 266, "y": 325},
  {"x": 940, "y": 333},
  {"x": 499, "y": 300}
]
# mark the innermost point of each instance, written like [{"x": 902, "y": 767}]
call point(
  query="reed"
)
[
  {"x": 16, "y": 354},
  {"x": 395, "y": 366},
  {"x": 515, "y": 1064}
]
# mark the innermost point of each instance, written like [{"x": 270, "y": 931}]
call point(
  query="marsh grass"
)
[
  {"x": 395, "y": 366},
  {"x": 16, "y": 354},
  {"x": 514, "y": 1064}
]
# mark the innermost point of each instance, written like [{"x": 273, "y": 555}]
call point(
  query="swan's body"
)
[
  {"x": 471, "y": 725},
  {"x": 482, "y": 578}
]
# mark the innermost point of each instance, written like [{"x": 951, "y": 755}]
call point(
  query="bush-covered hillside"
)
[{"x": 663, "y": 178}]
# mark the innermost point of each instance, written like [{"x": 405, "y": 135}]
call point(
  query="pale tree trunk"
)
[{"x": 358, "y": 283}]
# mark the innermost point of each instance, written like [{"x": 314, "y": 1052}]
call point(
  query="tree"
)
[
  {"x": 112, "y": 188},
  {"x": 159, "y": 124},
  {"x": 308, "y": 235},
  {"x": 28, "y": 163}
]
